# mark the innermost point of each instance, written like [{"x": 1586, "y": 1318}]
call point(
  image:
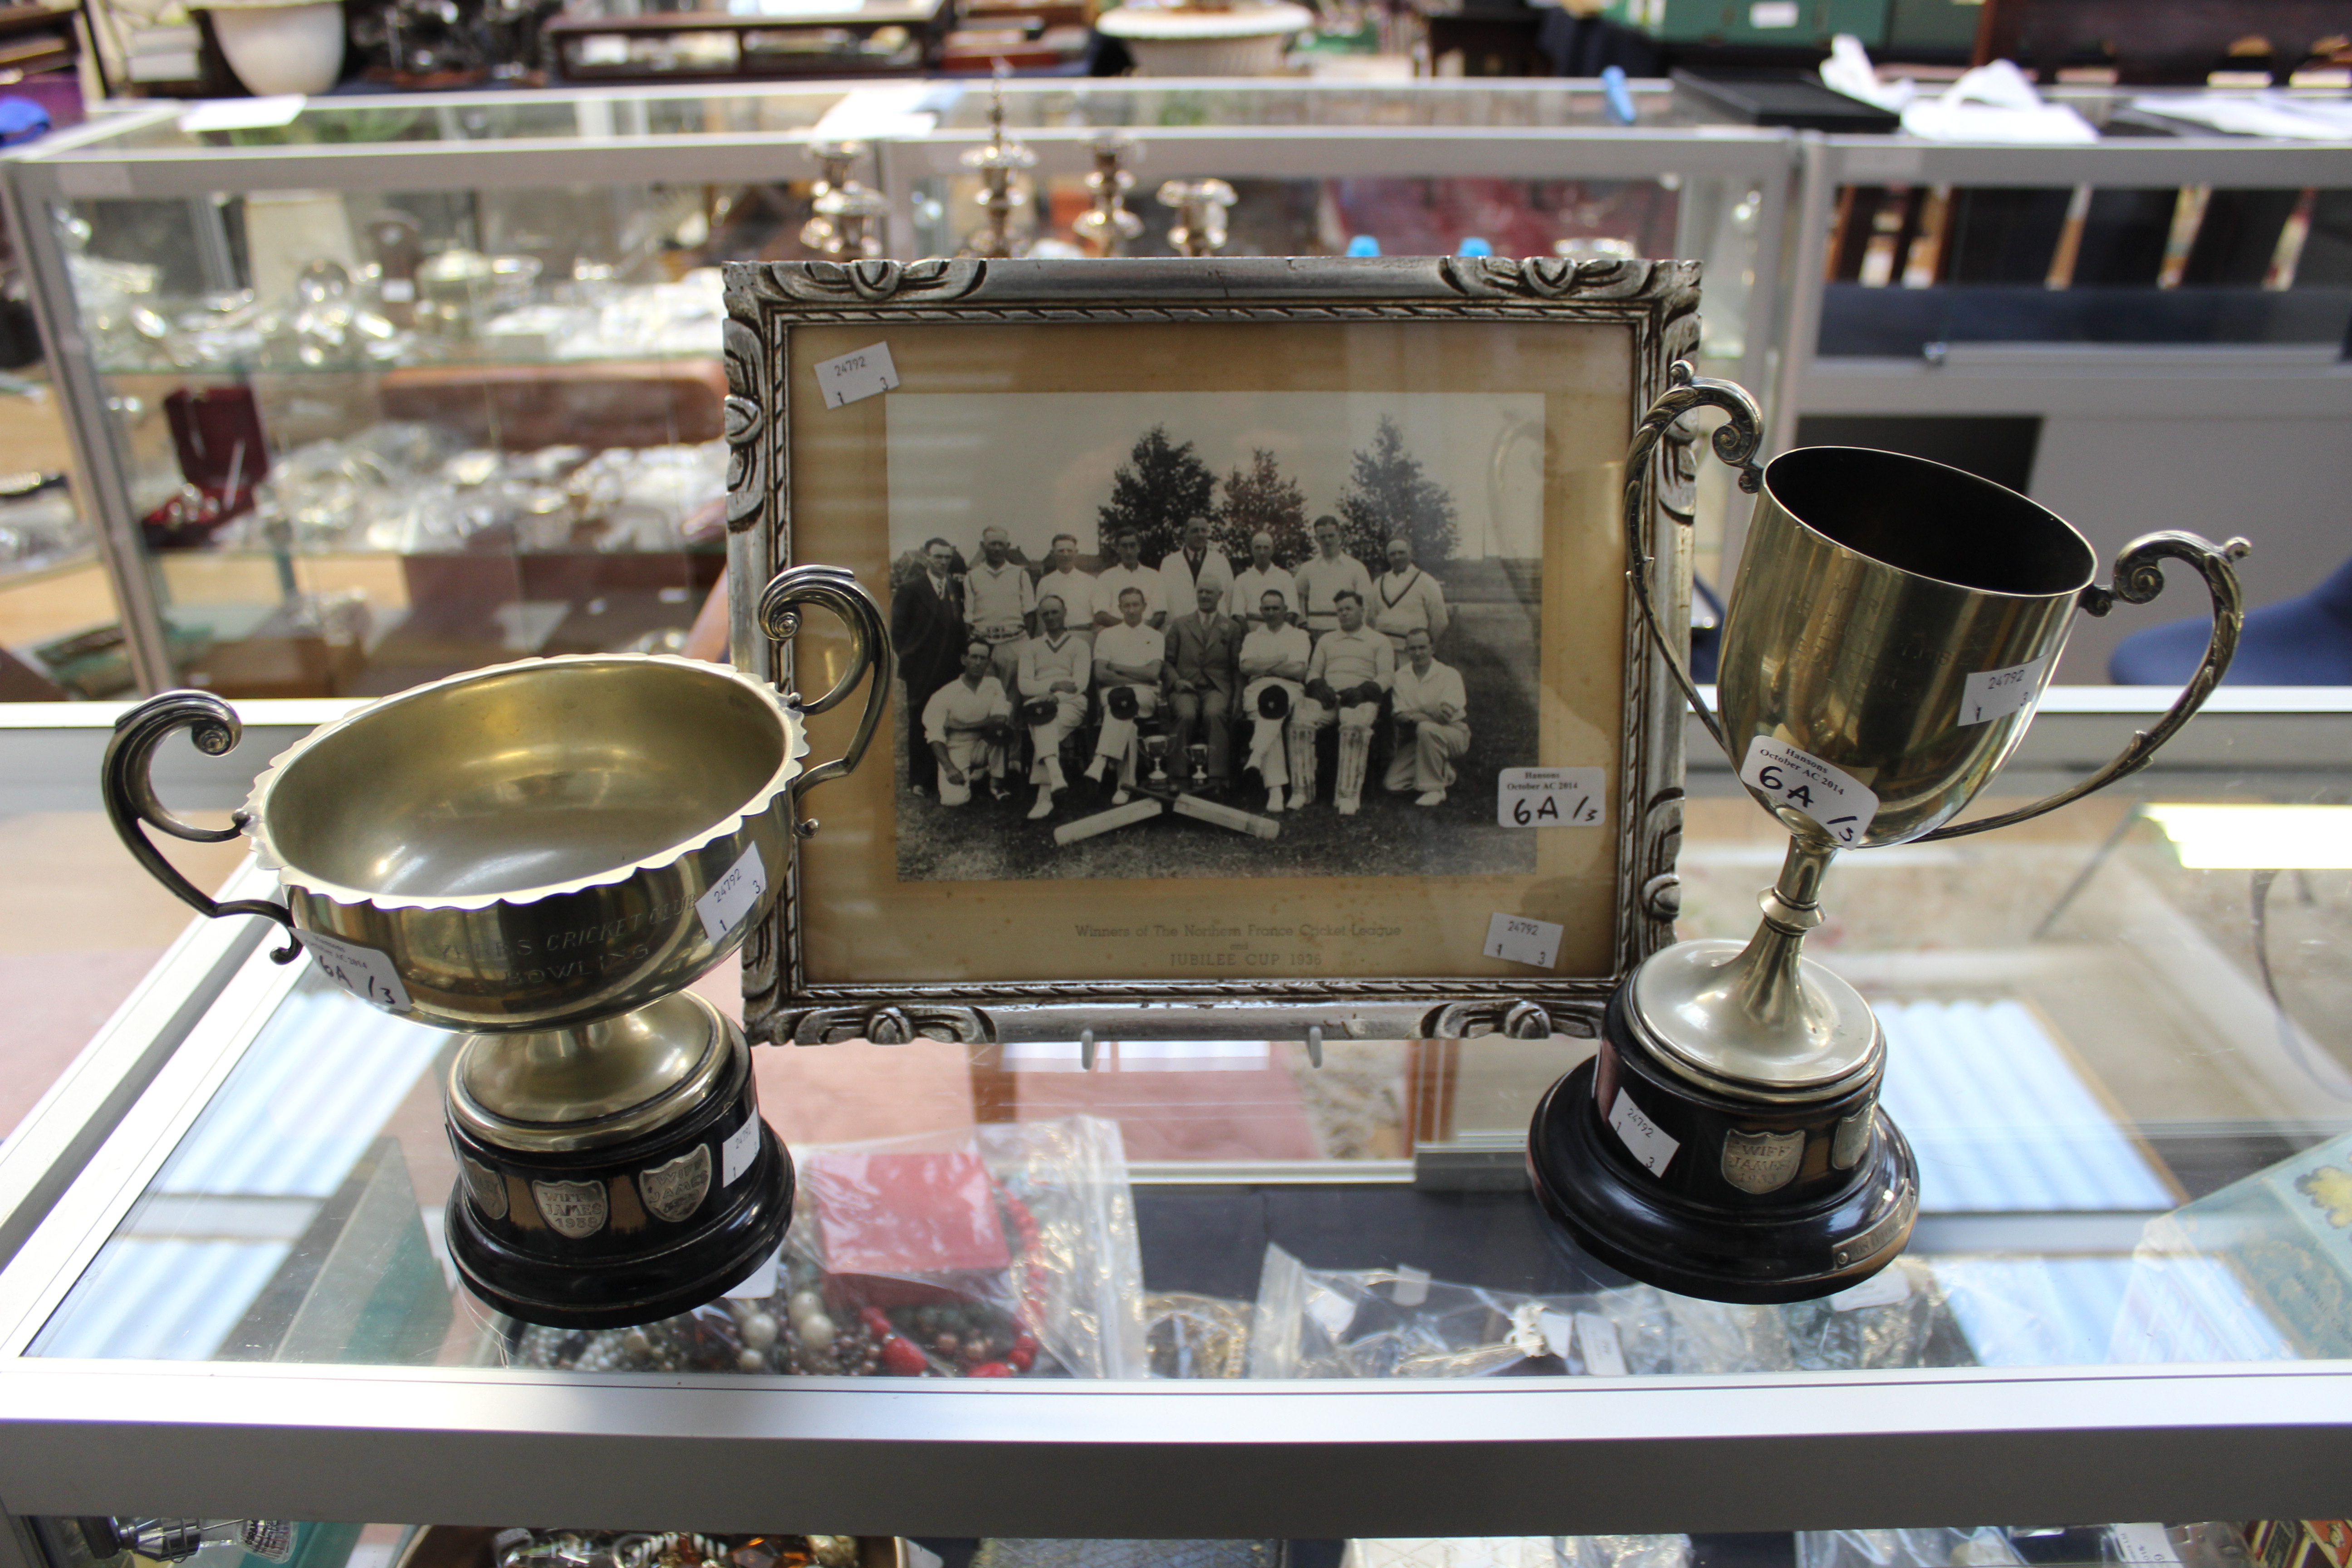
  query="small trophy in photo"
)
[{"x": 1890, "y": 631}]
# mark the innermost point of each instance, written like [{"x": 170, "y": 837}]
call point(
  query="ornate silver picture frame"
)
[{"x": 956, "y": 432}]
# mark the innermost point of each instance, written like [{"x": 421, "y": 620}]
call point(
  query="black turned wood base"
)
[
  {"x": 1691, "y": 1226},
  {"x": 611, "y": 1237},
  {"x": 621, "y": 1291}
]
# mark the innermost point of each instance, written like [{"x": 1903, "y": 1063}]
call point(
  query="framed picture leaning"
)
[{"x": 1267, "y": 664}]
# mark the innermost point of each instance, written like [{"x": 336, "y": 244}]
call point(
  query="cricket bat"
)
[
  {"x": 1105, "y": 820},
  {"x": 1228, "y": 817}
]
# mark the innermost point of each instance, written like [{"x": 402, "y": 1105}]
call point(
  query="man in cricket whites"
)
[
  {"x": 966, "y": 724},
  {"x": 1274, "y": 672},
  {"x": 1432, "y": 715},
  {"x": 1056, "y": 671},
  {"x": 1345, "y": 678},
  {"x": 1129, "y": 658},
  {"x": 1251, "y": 582},
  {"x": 998, "y": 595},
  {"x": 1405, "y": 596}
]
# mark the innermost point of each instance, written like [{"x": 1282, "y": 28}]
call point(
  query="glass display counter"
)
[{"x": 1217, "y": 1290}]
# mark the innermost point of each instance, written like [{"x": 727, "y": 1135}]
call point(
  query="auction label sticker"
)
[
  {"x": 732, "y": 896},
  {"x": 853, "y": 377},
  {"x": 2143, "y": 1543},
  {"x": 1549, "y": 797},
  {"x": 760, "y": 1284},
  {"x": 1884, "y": 1288},
  {"x": 1412, "y": 1287},
  {"x": 1650, "y": 1145},
  {"x": 1516, "y": 939},
  {"x": 1991, "y": 693},
  {"x": 1833, "y": 797},
  {"x": 365, "y": 972},
  {"x": 1604, "y": 1354},
  {"x": 735, "y": 1155}
]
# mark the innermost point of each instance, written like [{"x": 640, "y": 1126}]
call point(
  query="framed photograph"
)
[{"x": 1266, "y": 659}]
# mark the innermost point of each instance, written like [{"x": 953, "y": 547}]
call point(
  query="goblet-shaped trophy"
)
[
  {"x": 543, "y": 855},
  {"x": 1890, "y": 632}
]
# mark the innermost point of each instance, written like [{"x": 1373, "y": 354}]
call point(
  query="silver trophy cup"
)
[
  {"x": 1890, "y": 631},
  {"x": 541, "y": 856}
]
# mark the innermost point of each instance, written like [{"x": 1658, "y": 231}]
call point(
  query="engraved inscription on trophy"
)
[
  {"x": 675, "y": 1190},
  {"x": 1761, "y": 1162},
  {"x": 487, "y": 1189},
  {"x": 576, "y": 1209},
  {"x": 1852, "y": 1138}
]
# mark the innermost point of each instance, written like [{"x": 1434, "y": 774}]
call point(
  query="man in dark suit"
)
[
  {"x": 1203, "y": 649},
  {"x": 926, "y": 632}
]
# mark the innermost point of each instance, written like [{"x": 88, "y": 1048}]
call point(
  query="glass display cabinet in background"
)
[
  {"x": 388, "y": 391},
  {"x": 395, "y": 389}
]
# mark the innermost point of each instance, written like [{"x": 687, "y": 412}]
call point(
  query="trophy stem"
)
[{"x": 1764, "y": 979}]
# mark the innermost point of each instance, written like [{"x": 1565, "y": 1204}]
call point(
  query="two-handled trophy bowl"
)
[
  {"x": 1890, "y": 631},
  {"x": 542, "y": 855}
]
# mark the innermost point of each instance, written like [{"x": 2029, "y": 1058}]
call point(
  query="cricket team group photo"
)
[{"x": 1273, "y": 634}]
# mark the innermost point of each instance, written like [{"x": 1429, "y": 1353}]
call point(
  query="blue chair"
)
[{"x": 2304, "y": 641}]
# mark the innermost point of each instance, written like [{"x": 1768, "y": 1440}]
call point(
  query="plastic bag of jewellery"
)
[
  {"x": 1895, "y": 1318},
  {"x": 1007, "y": 1251},
  {"x": 519, "y": 1548},
  {"x": 1657, "y": 1332},
  {"x": 1984, "y": 1547},
  {"x": 1455, "y": 1552},
  {"x": 1187, "y": 1335},
  {"x": 1399, "y": 1323},
  {"x": 1624, "y": 1551},
  {"x": 1389, "y": 1323}
]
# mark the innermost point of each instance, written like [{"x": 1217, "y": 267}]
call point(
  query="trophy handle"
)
[
  {"x": 1735, "y": 444},
  {"x": 126, "y": 778},
  {"x": 2139, "y": 578},
  {"x": 838, "y": 589}
]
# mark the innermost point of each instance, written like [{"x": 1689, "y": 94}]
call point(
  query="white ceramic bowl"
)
[
  {"x": 1245, "y": 41},
  {"x": 282, "y": 49}
]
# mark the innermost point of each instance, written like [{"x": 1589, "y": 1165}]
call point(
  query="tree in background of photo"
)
[
  {"x": 1388, "y": 494},
  {"x": 1263, "y": 499},
  {"x": 1160, "y": 486}
]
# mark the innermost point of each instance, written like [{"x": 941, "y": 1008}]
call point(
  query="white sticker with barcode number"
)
[
  {"x": 2144, "y": 1543},
  {"x": 365, "y": 972},
  {"x": 1990, "y": 694},
  {"x": 1841, "y": 803},
  {"x": 1412, "y": 1287},
  {"x": 1648, "y": 1143},
  {"x": 758, "y": 1285},
  {"x": 1596, "y": 1337},
  {"x": 733, "y": 895},
  {"x": 737, "y": 1155},
  {"x": 1882, "y": 1290},
  {"x": 858, "y": 375},
  {"x": 1516, "y": 939}
]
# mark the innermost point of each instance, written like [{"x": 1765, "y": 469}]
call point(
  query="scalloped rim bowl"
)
[
  {"x": 540, "y": 843},
  {"x": 534, "y": 792}
]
